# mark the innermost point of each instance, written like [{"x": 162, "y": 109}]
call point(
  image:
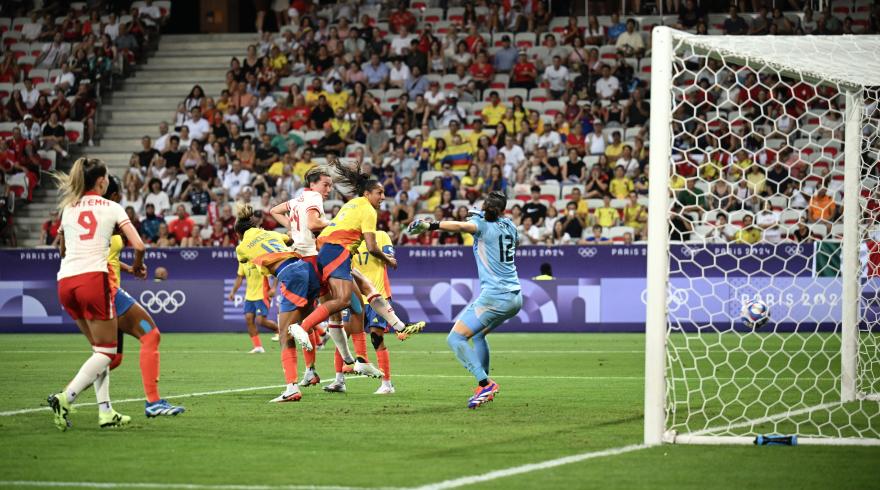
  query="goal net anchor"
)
[{"x": 814, "y": 371}]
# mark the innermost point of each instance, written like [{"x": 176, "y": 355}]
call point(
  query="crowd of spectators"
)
[
  {"x": 54, "y": 66},
  {"x": 444, "y": 106}
]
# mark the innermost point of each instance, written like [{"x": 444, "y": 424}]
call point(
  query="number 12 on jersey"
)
[{"x": 507, "y": 247}]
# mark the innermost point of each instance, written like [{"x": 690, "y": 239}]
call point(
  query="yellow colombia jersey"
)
[
  {"x": 254, "y": 279},
  {"x": 263, "y": 249},
  {"x": 347, "y": 228},
  {"x": 373, "y": 268},
  {"x": 116, "y": 246}
]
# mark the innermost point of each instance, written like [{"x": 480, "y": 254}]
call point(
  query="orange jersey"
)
[
  {"x": 347, "y": 228},
  {"x": 263, "y": 249}
]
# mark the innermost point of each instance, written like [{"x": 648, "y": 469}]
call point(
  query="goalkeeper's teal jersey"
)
[{"x": 495, "y": 249}]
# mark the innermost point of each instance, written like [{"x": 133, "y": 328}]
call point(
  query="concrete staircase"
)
[{"x": 145, "y": 99}]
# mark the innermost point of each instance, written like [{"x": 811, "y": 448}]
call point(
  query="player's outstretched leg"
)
[{"x": 467, "y": 356}]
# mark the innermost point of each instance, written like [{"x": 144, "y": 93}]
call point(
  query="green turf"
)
[{"x": 561, "y": 395}]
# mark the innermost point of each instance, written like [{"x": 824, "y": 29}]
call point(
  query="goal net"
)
[{"x": 764, "y": 186}]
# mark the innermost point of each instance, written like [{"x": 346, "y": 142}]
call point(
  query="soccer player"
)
[
  {"x": 88, "y": 221},
  {"x": 134, "y": 320},
  {"x": 268, "y": 250},
  {"x": 256, "y": 305},
  {"x": 495, "y": 240},
  {"x": 377, "y": 274},
  {"x": 356, "y": 222}
]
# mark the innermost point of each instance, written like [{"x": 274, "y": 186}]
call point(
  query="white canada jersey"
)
[
  {"x": 88, "y": 225},
  {"x": 298, "y": 211}
]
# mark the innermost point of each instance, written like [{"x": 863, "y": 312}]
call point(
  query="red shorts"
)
[
  {"x": 314, "y": 261},
  {"x": 87, "y": 296}
]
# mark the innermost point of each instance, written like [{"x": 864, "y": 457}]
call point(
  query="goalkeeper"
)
[{"x": 500, "y": 299}]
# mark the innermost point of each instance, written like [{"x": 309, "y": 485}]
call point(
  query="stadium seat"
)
[
  {"x": 6, "y": 129},
  {"x": 429, "y": 175},
  {"x": 74, "y": 131},
  {"x": 455, "y": 15},
  {"x": 790, "y": 216},
  {"x": 736, "y": 217},
  {"x": 525, "y": 40},
  {"x": 615, "y": 233},
  {"x": 538, "y": 95}
]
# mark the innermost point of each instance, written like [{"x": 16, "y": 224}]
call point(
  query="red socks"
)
[
  {"x": 150, "y": 364},
  {"x": 337, "y": 360},
  {"x": 255, "y": 340},
  {"x": 309, "y": 355},
  {"x": 384, "y": 363},
  {"x": 288, "y": 364}
]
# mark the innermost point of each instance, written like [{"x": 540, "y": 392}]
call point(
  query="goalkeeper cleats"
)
[
  {"x": 300, "y": 336},
  {"x": 112, "y": 419},
  {"x": 367, "y": 369},
  {"x": 161, "y": 408},
  {"x": 60, "y": 410},
  {"x": 310, "y": 378},
  {"x": 483, "y": 394}
]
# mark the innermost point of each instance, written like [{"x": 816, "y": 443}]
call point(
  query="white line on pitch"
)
[
  {"x": 423, "y": 352},
  {"x": 528, "y": 468},
  {"x": 176, "y": 486}
]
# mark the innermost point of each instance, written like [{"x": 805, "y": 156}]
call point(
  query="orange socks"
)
[
  {"x": 309, "y": 355},
  {"x": 360, "y": 345},
  {"x": 337, "y": 361},
  {"x": 288, "y": 364},
  {"x": 317, "y": 316},
  {"x": 150, "y": 364},
  {"x": 255, "y": 339},
  {"x": 384, "y": 363}
]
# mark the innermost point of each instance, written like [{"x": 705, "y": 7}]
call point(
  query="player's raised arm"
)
[
  {"x": 279, "y": 212},
  {"x": 376, "y": 251}
]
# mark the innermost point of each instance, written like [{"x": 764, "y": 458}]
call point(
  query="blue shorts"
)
[
  {"x": 334, "y": 261},
  {"x": 491, "y": 310},
  {"x": 373, "y": 320},
  {"x": 299, "y": 284},
  {"x": 124, "y": 302},
  {"x": 257, "y": 307}
]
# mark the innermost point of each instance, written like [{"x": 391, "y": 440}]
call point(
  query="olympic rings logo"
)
[
  {"x": 163, "y": 301},
  {"x": 675, "y": 298},
  {"x": 189, "y": 254},
  {"x": 588, "y": 252}
]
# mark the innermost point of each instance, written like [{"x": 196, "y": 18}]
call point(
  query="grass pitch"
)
[{"x": 561, "y": 395}]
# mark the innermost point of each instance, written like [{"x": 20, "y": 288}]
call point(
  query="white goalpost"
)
[{"x": 764, "y": 184}]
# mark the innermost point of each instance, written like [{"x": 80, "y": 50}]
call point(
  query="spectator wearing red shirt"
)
[
  {"x": 281, "y": 113},
  {"x": 402, "y": 18},
  {"x": 50, "y": 228},
  {"x": 182, "y": 227},
  {"x": 482, "y": 72},
  {"x": 524, "y": 74},
  {"x": 8, "y": 158},
  {"x": 475, "y": 41},
  {"x": 300, "y": 113}
]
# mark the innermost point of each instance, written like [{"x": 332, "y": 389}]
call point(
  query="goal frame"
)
[{"x": 662, "y": 55}]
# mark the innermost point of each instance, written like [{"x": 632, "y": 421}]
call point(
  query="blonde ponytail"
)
[
  {"x": 243, "y": 211},
  {"x": 82, "y": 177}
]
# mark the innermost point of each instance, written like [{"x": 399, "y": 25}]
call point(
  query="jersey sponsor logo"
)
[
  {"x": 162, "y": 301},
  {"x": 588, "y": 252},
  {"x": 189, "y": 254}
]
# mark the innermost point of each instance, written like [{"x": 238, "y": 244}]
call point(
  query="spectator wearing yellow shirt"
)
[
  {"x": 676, "y": 182},
  {"x": 439, "y": 154},
  {"x": 710, "y": 170},
  {"x": 749, "y": 233},
  {"x": 472, "y": 183},
  {"x": 634, "y": 214},
  {"x": 338, "y": 98},
  {"x": 536, "y": 124},
  {"x": 278, "y": 61},
  {"x": 302, "y": 167},
  {"x": 341, "y": 125},
  {"x": 433, "y": 195},
  {"x": 606, "y": 216},
  {"x": 621, "y": 185},
  {"x": 614, "y": 149},
  {"x": 314, "y": 92},
  {"x": 757, "y": 179},
  {"x": 494, "y": 111},
  {"x": 741, "y": 165},
  {"x": 476, "y": 133},
  {"x": 583, "y": 209}
]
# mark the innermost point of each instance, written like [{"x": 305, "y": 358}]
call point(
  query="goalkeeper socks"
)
[
  {"x": 315, "y": 318},
  {"x": 150, "y": 364},
  {"x": 255, "y": 340},
  {"x": 384, "y": 309},
  {"x": 102, "y": 390},
  {"x": 288, "y": 364},
  {"x": 482, "y": 348},
  {"x": 359, "y": 340},
  {"x": 466, "y": 355},
  {"x": 90, "y": 370},
  {"x": 384, "y": 363}
]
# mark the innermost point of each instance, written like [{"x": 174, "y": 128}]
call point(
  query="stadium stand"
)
[{"x": 444, "y": 106}]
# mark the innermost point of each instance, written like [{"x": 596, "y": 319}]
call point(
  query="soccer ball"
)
[{"x": 755, "y": 313}]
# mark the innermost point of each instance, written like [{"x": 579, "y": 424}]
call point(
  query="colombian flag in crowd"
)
[{"x": 459, "y": 156}]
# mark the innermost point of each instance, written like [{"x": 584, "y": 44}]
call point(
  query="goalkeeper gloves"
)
[{"x": 419, "y": 226}]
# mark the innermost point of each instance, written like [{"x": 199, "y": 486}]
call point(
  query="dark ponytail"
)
[{"x": 494, "y": 206}]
